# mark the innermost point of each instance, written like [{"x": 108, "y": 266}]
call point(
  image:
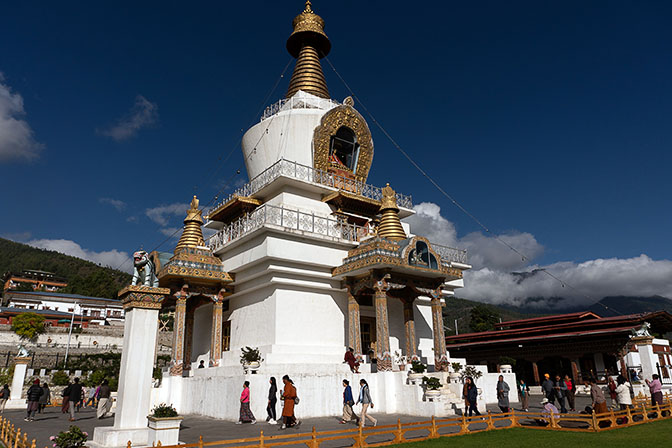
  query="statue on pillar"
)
[{"x": 144, "y": 270}]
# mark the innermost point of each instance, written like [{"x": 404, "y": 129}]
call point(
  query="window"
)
[
  {"x": 226, "y": 336},
  {"x": 344, "y": 149}
]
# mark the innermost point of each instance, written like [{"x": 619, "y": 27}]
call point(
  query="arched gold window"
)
[{"x": 344, "y": 149}]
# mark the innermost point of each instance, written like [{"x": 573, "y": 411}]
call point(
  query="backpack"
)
[{"x": 66, "y": 391}]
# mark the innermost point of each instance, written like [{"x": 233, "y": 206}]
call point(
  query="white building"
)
[
  {"x": 101, "y": 311},
  {"x": 308, "y": 260}
]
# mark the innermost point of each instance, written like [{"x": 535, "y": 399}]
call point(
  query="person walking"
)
[
  {"x": 571, "y": 393},
  {"x": 503, "y": 394},
  {"x": 464, "y": 396},
  {"x": 547, "y": 388},
  {"x": 65, "y": 404},
  {"x": 365, "y": 399},
  {"x": 348, "y": 403},
  {"x": 272, "y": 400},
  {"x": 623, "y": 393},
  {"x": 524, "y": 394},
  {"x": 656, "y": 389},
  {"x": 288, "y": 397},
  {"x": 104, "y": 403},
  {"x": 599, "y": 403},
  {"x": 93, "y": 393},
  {"x": 560, "y": 393},
  {"x": 246, "y": 415},
  {"x": 472, "y": 396},
  {"x": 4, "y": 396},
  {"x": 33, "y": 395},
  {"x": 45, "y": 399},
  {"x": 611, "y": 386},
  {"x": 73, "y": 397}
]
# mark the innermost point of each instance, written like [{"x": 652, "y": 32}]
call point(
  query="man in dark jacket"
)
[
  {"x": 74, "y": 396},
  {"x": 34, "y": 393},
  {"x": 547, "y": 388},
  {"x": 560, "y": 393}
]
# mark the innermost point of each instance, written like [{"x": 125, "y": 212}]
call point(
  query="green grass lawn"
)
[{"x": 654, "y": 434}]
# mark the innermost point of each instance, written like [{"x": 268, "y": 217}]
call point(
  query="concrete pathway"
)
[{"x": 52, "y": 421}]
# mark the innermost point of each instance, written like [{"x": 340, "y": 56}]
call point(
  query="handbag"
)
[{"x": 296, "y": 400}]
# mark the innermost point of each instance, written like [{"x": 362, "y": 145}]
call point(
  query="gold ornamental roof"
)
[
  {"x": 390, "y": 225},
  {"x": 192, "y": 235},
  {"x": 308, "y": 44}
]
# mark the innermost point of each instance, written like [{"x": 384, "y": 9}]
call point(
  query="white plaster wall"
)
[
  {"x": 84, "y": 339},
  {"x": 287, "y": 135},
  {"x": 202, "y": 332},
  {"x": 305, "y": 201},
  {"x": 424, "y": 330},
  {"x": 395, "y": 316}
]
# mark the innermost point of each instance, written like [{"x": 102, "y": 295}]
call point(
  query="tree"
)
[
  {"x": 483, "y": 318},
  {"x": 28, "y": 326}
]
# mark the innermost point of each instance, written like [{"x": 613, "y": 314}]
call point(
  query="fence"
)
[
  {"x": 435, "y": 428},
  {"x": 12, "y": 437}
]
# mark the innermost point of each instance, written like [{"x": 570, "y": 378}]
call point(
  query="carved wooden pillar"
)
[
  {"x": 188, "y": 336},
  {"x": 440, "y": 352},
  {"x": 535, "y": 373},
  {"x": 575, "y": 370},
  {"x": 216, "y": 333},
  {"x": 383, "y": 354},
  {"x": 354, "y": 330},
  {"x": 409, "y": 326},
  {"x": 177, "y": 361}
]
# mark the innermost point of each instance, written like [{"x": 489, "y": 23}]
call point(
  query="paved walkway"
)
[{"x": 52, "y": 421}]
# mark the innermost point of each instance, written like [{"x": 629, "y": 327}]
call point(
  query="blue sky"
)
[{"x": 550, "y": 121}]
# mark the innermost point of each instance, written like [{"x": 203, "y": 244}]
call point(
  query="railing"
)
[
  {"x": 306, "y": 173},
  {"x": 289, "y": 219},
  {"x": 12, "y": 437},
  {"x": 449, "y": 254},
  {"x": 299, "y": 103},
  {"x": 435, "y": 428}
]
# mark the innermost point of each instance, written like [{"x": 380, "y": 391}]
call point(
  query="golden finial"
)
[
  {"x": 308, "y": 44},
  {"x": 192, "y": 235},
  {"x": 390, "y": 226}
]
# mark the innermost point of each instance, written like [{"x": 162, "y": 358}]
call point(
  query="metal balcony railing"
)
[
  {"x": 309, "y": 174},
  {"x": 299, "y": 103},
  {"x": 450, "y": 254},
  {"x": 289, "y": 219}
]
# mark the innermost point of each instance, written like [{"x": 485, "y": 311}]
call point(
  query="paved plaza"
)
[{"x": 52, "y": 421}]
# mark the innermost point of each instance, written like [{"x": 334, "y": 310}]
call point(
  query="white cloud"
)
[
  {"x": 111, "y": 258},
  {"x": 175, "y": 232},
  {"x": 116, "y": 203},
  {"x": 143, "y": 114},
  {"x": 161, "y": 214},
  {"x": 16, "y": 136},
  {"x": 492, "y": 278}
]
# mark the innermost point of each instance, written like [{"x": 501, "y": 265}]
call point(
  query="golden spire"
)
[
  {"x": 192, "y": 235},
  {"x": 308, "y": 44},
  {"x": 390, "y": 225}
]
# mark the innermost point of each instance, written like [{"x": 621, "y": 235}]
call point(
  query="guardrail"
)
[
  {"x": 298, "y": 103},
  {"x": 449, "y": 254},
  {"x": 12, "y": 437},
  {"x": 436, "y": 428},
  {"x": 289, "y": 219},
  {"x": 306, "y": 173}
]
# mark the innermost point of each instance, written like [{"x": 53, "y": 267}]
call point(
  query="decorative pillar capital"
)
[
  {"x": 642, "y": 340},
  {"x": 147, "y": 297},
  {"x": 22, "y": 359}
]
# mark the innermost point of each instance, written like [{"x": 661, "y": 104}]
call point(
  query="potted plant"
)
[
  {"x": 506, "y": 364},
  {"x": 400, "y": 360},
  {"x": 164, "y": 425},
  {"x": 417, "y": 371},
  {"x": 432, "y": 385},
  {"x": 72, "y": 438},
  {"x": 455, "y": 374},
  {"x": 251, "y": 359},
  {"x": 470, "y": 371}
]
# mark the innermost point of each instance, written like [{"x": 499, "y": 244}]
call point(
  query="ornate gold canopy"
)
[{"x": 344, "y": 115}]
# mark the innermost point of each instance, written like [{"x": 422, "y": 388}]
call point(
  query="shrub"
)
[
  {"x": 472, "y": 372},
  {"x": 72, "y": 438},
  {"x": 456, "y": 366},
  {"x": 418, "y": 367},
  {"x": 28, "y": 326},
  {"x": 249, "y": 355},
  {"x": 507, "y": 360},
  {"x": 7, "y": 375},
  {"x": 164, "y": 410},
  {"x": 431, "y": 382},
  {"x": 95, "y": 378},
  {"x": 60, "y": 378}
]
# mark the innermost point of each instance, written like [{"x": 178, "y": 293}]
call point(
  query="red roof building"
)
[{"x": 578, "y": 344}]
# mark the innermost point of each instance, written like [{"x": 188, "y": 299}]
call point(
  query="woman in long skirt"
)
[
  {"x": 288, "y": 398},
  {"x": 246, "y": 415}
]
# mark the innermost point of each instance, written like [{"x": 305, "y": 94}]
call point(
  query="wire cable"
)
[{"x": 451, "y": 198}]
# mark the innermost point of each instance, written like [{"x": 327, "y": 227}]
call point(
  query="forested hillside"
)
[{"x": 83, "y": 277}]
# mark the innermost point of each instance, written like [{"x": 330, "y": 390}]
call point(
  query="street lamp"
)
[{"x": 67, "y": 347}]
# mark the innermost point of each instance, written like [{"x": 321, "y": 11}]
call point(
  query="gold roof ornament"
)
[
  {"x": 308, "y": 44},
  {"x": 192, "y": 235},
  {"x": 390, "y": 225}
]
